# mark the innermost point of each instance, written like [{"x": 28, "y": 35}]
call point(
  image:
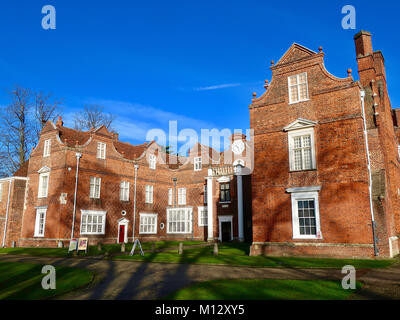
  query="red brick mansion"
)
[{"x": 325, "y": 180}]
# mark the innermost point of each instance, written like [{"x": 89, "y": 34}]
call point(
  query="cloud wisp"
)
[
  {"x": 134, "y": 120},
  {"x": 217, "y": 87}
]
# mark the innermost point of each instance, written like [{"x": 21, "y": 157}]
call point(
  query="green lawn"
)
[
  {"x": 93, "y": 251},
  {"x": 22, "y": 281},
  {"x": 264, "y": 289},
  {"x": 229, "y": 253},
  {"x": 237, "y": 254}
]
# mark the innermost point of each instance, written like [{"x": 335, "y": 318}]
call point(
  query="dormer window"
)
[
  {"x": 152, "y": 161},
  {"x": 47, "y": 146},
  {"x": 197, "y": 164},
  {"x": 298, "y": 88},
  {"x": 101, "y": 150}
]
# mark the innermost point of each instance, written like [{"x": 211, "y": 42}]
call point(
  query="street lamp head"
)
[
  {"x": 174, "y": 179},
  {"x": 78, "y": 155},
  {"x": 136, "y": 166}
]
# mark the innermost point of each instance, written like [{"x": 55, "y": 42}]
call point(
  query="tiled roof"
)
[
  {"x": 23, "y": 170},
  {"x": 71, "y": 136},
  {"x": 130, "y": 151}
]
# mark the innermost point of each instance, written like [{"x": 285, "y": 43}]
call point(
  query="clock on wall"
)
[{"x": 237, "y": 147}]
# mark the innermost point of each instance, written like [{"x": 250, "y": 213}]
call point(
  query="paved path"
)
[{"x": 116, "y": 279}]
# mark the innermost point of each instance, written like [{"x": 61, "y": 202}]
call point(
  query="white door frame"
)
[
  {"x": 124, "y": 222},
  {"x": 225, "y": 219}
]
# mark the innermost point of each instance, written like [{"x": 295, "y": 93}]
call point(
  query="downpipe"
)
[
  {"x": 78, "y": 156},
  {"x": 376, "y": 250},
  {"x": 8, "y": 206}
]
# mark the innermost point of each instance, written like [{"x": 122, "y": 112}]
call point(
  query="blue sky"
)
[{"x": 195, "y": 62}]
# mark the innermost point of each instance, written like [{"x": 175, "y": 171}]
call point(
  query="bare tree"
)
[
  {"x": 16, "y": 130},
  {"x": 21, "y": 123},
  {"x": 93, "y": 116},
  {"x": 46, "y": 108}
]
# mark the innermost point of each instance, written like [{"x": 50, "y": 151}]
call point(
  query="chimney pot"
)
[{"x": 363, "y": 43}]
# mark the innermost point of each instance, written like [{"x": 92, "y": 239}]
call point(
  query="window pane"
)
[
  {"x": 294, "y": 94},
  {"x": 297, "y": 160},
  {"x": 303, "y": 91},
  {"x": 302, "y": 78},
  {"x": 306, "y": 214},
  {"x": 293, "y": 80}
]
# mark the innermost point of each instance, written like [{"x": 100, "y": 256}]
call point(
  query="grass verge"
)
[
  {"x": 22, "y": 281},
  {"x": 264, "y": 289},
  {"x": 237, "y": 254},
  {"x": 93, "y": 250}
]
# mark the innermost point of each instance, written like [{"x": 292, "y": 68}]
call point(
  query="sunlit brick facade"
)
[
  {"x": 325, "y": 179},
  {"x": 310, "y": 185},
  {"x": 105, "y": 192}
]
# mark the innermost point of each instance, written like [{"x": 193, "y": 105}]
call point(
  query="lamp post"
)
[
  {"x": 134, "y": 204},
  {"x": 78, "y": 156},
  {"x": 238, "y": 172},
  {"x": 174, "y": 180}
]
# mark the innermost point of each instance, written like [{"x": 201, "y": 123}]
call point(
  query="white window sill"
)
[
  {"x": 300, "y": 170},
  {"x": 147, "y": 232},
  {"x": 36, "y": 236},
  {"x": 299, "y": 101},
  {"x": 225, "y": 202},
  {"x": 306, "y": 237},
  {"x": 179, "y": 232},
  {"x": 95, "y": 234}
]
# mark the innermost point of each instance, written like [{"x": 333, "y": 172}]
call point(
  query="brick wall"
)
[{"x": 341, "y": 162}]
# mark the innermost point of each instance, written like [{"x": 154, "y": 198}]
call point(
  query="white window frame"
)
[
  {"x": 310, "y": 195},
  {"x": 149, "y": 190},
  {"x": 301, "y": 132},
  {"x": 101, "y": 150},
  {"x": 1, "y": 192},
  {"x": 182, "y": 196},
  {"x": 170, "y": 196},
  {"x": 197, "y": 164},
  {"x": 152, "y": 161},
  {"x": 47, "y": 148},
  {"x": 298, "y": 88},
  {"x": 39, "y": 212},
  {"x": 43, "y": 193},
  {"x": 124, "y": 191},
  {"x": 143, "y": 218},
  {"x": 92, "y": 192},
  {"x": 172, "y": 214},
  {"x": 202, "y": 210},
  {"x": 93, "y": 213}
]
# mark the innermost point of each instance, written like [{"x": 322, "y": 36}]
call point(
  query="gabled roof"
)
[
  {"x": 295, "y": 52},
  {"x": 104, "y": 131},
  {"x": 300, "y": 124},
  {"x": 72, "y": 136},
  {"x": 23, "y": 170},
  {"x": 130, "y": 151}
]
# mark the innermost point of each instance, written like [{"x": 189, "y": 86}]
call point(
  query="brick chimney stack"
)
[
  {"x": 363, "y": 44},
  {"x": 59, "y": 122},
  {"x": 365, "y": 57}
]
